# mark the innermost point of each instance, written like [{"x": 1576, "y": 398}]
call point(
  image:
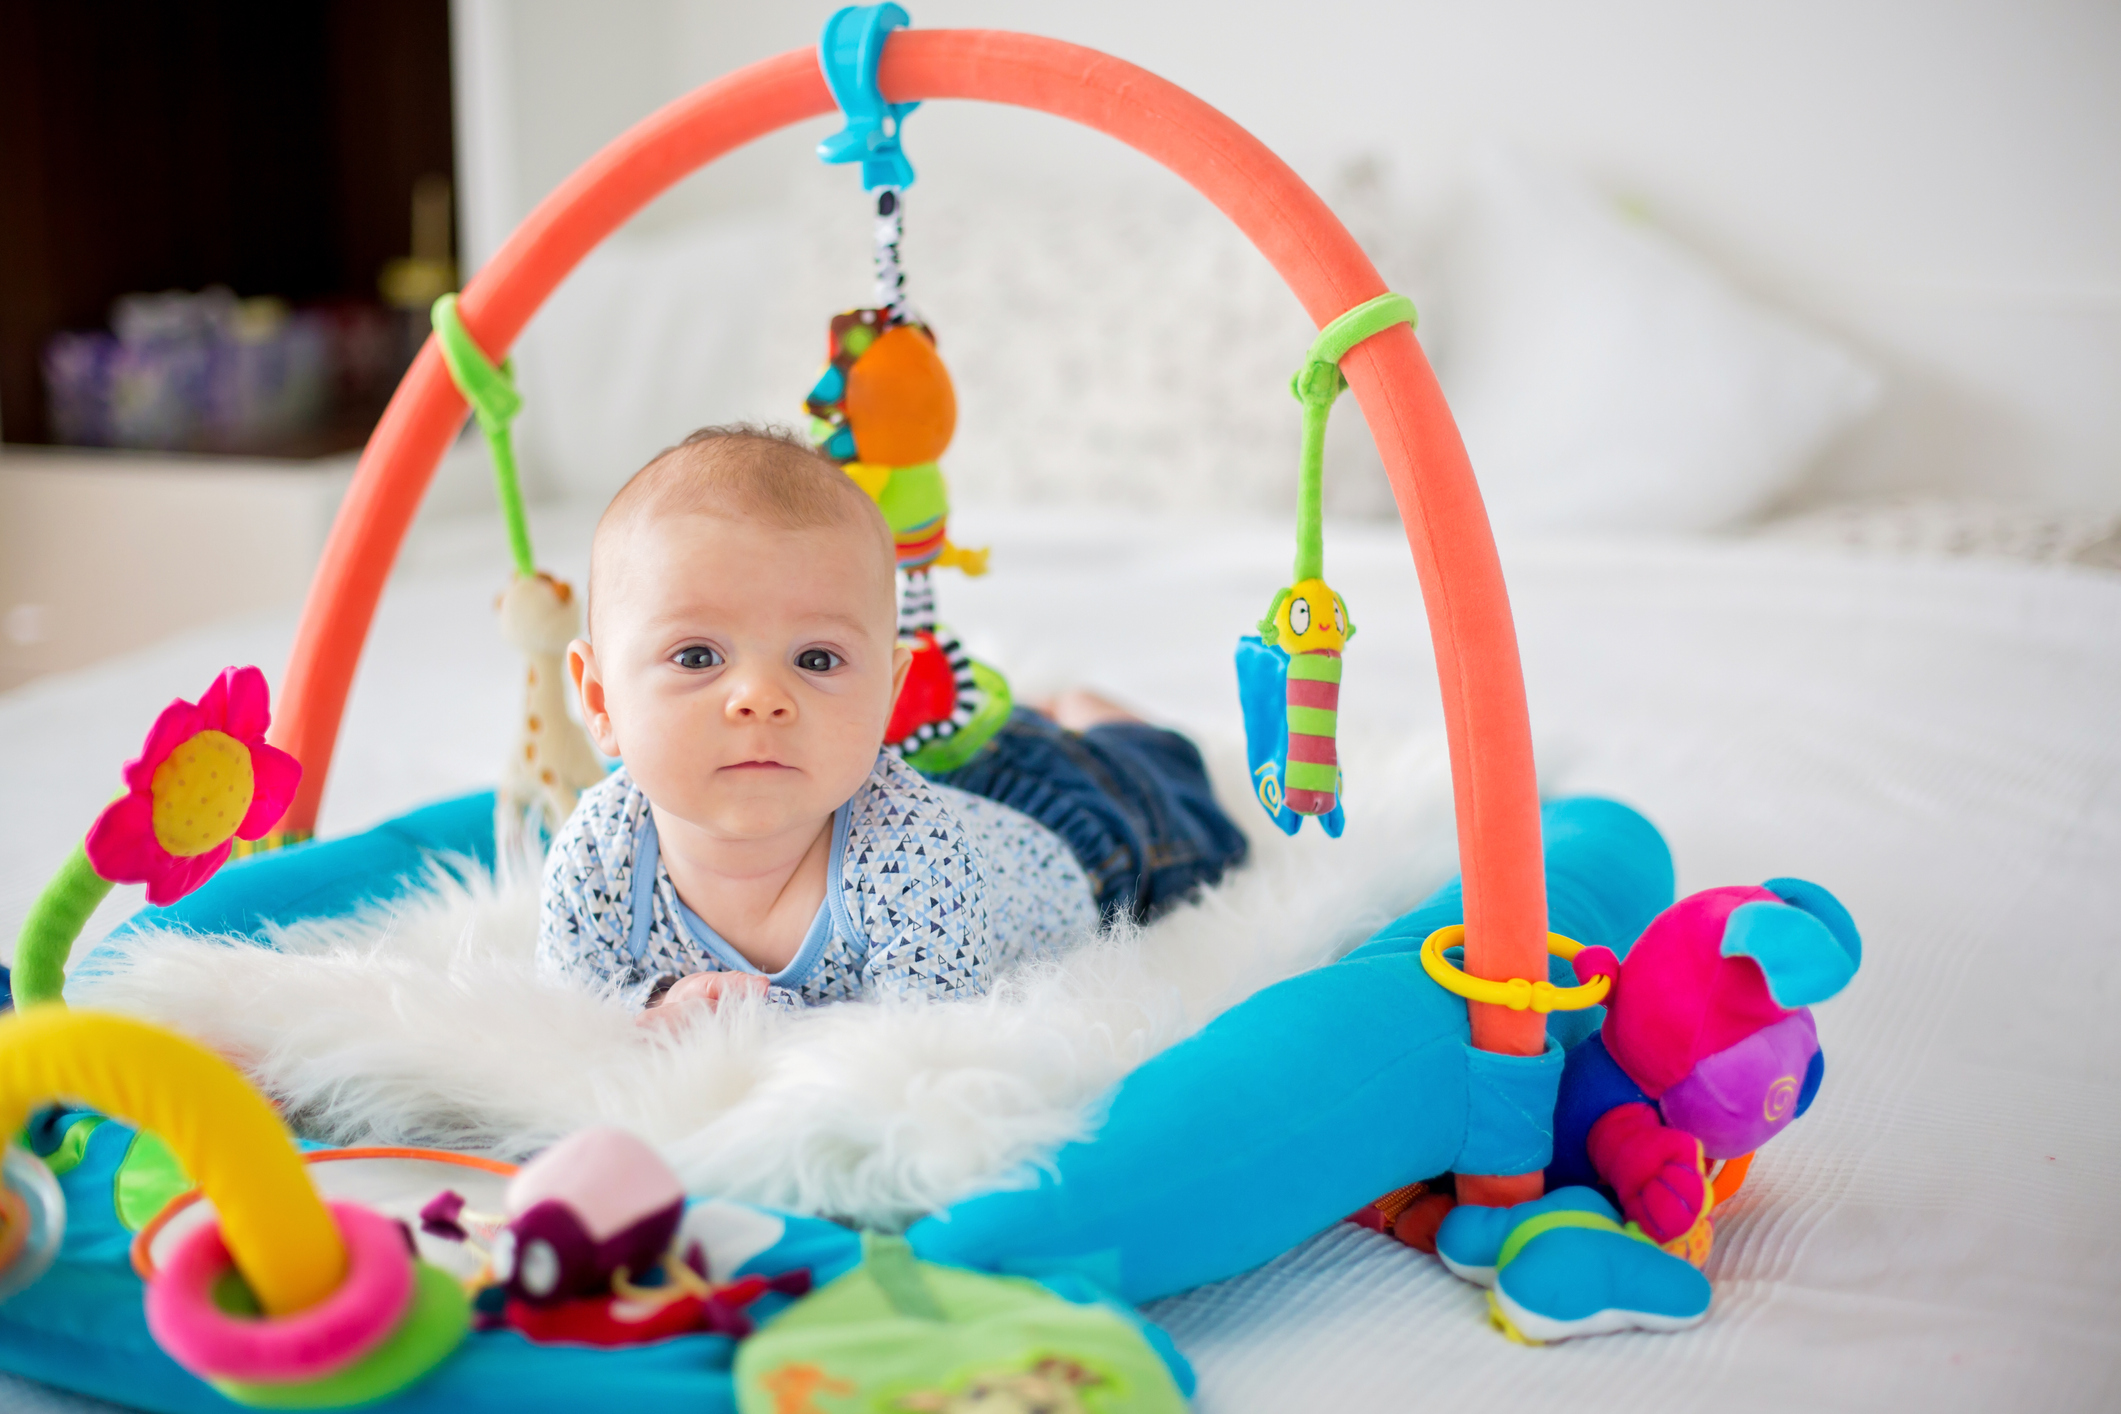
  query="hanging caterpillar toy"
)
[
  {"x": 1288, "y": 677},
  {"x": 1309, "y": 623}
]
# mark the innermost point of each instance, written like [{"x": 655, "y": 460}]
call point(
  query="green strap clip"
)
[
  {"x": 1316, "y": 385},
  {"x": 491, "y": 391}
]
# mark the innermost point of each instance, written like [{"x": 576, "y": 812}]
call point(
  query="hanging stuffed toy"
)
[
  {"x": 1288, "y": 676},
  {"x": 551, "y": 761},
  {"x": 885, "y": 410}
]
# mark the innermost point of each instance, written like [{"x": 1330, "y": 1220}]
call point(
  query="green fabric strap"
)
[
  {"x": 1316, "y": 385},
  {"x": 890, "y": 1264},
  {"x": 1544, "y": 1223},
  {"x": 48, "y": 934},
  {"x": 491, "y": 391}
]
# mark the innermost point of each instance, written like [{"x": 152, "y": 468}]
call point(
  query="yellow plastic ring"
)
[{"x": 1517, "y": 993}]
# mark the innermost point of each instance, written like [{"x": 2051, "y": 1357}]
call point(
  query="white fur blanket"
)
[{"x": 427, "y": 1022}]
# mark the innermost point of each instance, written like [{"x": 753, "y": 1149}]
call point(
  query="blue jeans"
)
[{"x": 1131, "y": 800}]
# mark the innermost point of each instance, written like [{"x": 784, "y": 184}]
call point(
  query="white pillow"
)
[{"x": 1606, "y": 379}]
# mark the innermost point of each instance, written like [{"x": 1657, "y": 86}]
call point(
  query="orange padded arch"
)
[{"x": 1461, "y": 578}]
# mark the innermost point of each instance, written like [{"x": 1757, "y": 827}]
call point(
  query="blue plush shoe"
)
[
  {"x": 1563, "y": 1266},
  {"x": 1587, "y": 1281},
  {"x": 1471, "y": 1239}
]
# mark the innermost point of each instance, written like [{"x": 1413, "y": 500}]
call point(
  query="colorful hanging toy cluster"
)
[
  {"x": 1288, "y": 675},
  {"x": 885, "y": 410}
]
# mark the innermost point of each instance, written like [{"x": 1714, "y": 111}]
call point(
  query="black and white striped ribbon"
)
[
  {"x": 916, "y": 605},
  {"x": 890, "y": 274}
]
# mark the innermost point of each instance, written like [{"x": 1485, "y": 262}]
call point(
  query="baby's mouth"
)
[{"x": 756, "y": 766}]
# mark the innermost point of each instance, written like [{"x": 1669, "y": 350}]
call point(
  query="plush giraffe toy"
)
[{"x": 552, "y": 762}]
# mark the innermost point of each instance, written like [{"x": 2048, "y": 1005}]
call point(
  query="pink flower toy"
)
[{"x": 204, "y": 779}]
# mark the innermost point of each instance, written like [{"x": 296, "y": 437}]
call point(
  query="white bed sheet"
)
[{"x": 1939, "y": 742}]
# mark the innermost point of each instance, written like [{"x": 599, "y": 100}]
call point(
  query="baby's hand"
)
[{"x": 700, "y": 987}]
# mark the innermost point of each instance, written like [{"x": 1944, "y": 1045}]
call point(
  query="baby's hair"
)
[{"x": 740, "y": 470}]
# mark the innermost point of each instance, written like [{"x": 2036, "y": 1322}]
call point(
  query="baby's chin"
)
[{"x": 759, "y": 803}]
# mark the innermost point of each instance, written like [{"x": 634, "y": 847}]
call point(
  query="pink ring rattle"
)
[{"x": 370, "y": 1302}]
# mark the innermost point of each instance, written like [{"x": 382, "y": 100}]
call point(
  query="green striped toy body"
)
[{"x": 1312, "y": 783}]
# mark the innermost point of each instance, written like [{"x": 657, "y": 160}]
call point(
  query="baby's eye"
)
[
  {"x": 1299, "y": 616},
  {"x": 696, "y": 658},
  {"x": 818, "y": 660}
]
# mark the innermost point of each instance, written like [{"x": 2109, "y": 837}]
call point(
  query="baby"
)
[{"x": 743, "y": 659}]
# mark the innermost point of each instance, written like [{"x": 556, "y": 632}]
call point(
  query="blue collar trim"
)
[{"x": 648, "y": 874}]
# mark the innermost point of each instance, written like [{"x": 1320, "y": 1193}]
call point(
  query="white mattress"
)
[{"x": 1938, "y": 742}]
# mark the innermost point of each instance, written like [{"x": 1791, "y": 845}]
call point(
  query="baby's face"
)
[{"x": 745, "y": 671}]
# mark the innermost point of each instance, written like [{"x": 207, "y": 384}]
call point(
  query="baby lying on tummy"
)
[{"x": 743, "y": 660}]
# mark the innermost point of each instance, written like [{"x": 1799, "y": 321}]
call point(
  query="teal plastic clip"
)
[{"x": 848, "y": 51}]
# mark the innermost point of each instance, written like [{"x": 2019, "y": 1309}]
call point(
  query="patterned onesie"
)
[{"x": 929, "y": 890}]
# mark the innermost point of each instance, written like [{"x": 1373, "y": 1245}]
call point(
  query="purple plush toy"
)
[
  {"x": 596, "y": 1201},
  {"x": 1708, "y": 1048}
]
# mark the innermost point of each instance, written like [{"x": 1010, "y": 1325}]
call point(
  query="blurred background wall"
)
[
  {"x": 227, "y": 219},
  {"x": 1929, "y": 181}
]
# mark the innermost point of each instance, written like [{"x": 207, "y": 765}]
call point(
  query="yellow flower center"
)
[{"x": 201, "y": 793}]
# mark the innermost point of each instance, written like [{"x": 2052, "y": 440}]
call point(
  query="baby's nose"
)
[{"x": 757, "y": 699}]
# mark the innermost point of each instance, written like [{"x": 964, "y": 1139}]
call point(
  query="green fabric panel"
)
[
  {"x": 148, "y": 1178},
  {"x": 898, "y": 1277},
  {"x": 1312, "y": 721},
  {"x": 491, "y": 391},
  {"x": 915, "y": 495},
  {"x": 1314, "y": 667},
  {"x": 1312, "y": 775},
  {"x": 47, "y": 936},
  {"x": 848, "y": 1349},
  {"x": 74, "y": 1146}
]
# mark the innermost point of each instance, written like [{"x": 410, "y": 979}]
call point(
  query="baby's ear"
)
[
  {"x": 901, "y": 665},
  {"x": 589, "y": 693}
]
